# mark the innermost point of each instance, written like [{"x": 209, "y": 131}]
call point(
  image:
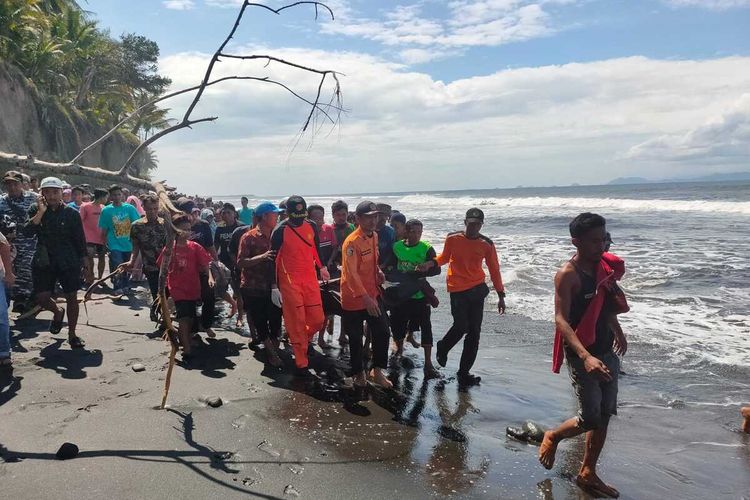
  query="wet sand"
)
[{"x": 274, "y": 438}]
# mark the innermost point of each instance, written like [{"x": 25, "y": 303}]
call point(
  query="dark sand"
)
[{"x": 273, "y": 438}]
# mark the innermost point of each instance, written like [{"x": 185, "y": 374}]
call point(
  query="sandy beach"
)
[{"x": 272, "y": 438}]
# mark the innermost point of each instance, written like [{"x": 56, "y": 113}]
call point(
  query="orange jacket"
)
[
  {"x": 465, "y": 257},
  {"x": 359, "y": 273}
]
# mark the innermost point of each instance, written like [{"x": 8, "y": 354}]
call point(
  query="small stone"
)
[
  {"x": 214, "y": 401},
  {"x": 138, "y": 368},
  {"x": 67, "y": 451}
]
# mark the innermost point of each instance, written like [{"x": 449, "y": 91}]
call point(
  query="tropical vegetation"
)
[{"x": 80, "y": 71}]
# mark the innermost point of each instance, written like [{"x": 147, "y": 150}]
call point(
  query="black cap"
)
[
  {"x": 296, "y": 207},
  {"x": 398, "y": 217},
  {"x": 184, "y": 204},
  {"x": 367, "y": 208},
  {"x": 474, "y": 215}
]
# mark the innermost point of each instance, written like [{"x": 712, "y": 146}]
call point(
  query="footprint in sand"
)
[{"x": 267, "y": 448}]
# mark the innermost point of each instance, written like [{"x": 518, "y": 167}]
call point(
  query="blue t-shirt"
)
[
  {"x": 117, "y": 221},
  {"x": 75, "y": 207},
  {"x": 386, "y": 239},
  {"x": 246, "y": 215}
]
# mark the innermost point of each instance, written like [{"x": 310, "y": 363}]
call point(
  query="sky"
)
[{"x": 450, "y": 94}]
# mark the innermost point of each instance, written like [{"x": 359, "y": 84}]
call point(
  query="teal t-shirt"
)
[
  {"x": 409, "y": 258},
  {"x": 246, "y": 215},
  {"x": 117, "y": 221}
]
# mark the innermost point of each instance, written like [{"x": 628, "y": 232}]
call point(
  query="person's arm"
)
[
  {"x": 493, "y": 264},
  {"x": 435, "y": 270},
  {"x": 36, "y": 212},
  {"x": 316, "y": 238},
  {"x": 440, "y": 260},
  {"x": 136, "y": 248},
  {"x": 566, "y": 282},
  {"x": 621, "y": 341},
  {"x": 7, "y": 260}
]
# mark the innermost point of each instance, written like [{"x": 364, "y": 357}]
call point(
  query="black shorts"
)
[
  {"x": 44, "y": 280},
  {"x": 95, "y": 250},
  {"x": 186, "y": 309}
]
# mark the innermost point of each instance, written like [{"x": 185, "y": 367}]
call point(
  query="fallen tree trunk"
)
[{"x": 31, "y": 165}]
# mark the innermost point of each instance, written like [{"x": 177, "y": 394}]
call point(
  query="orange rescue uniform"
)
[
  {"x": 465, "y": 257},
  {"x": 359, "y": 274},
  {"x": 296, "y": 275}
]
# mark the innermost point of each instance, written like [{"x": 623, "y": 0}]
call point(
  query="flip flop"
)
[
  {"x": 55, "y": 326},
  {"x": 76, "y": 343}
]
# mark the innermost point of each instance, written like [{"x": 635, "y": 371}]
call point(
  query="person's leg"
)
[
  {"x": 399, "y": 320},
  {"x": 101, "y": 261},
  {"x": 588, "y": 391},
  {"x": 70, "y": 281},
  {"x": 71, "y": 306},
  {"x": 125, "y": 276},
  {"x": 352, "y": 321},
  {"x": 208, "y": 310},
  {"x": 4, "y": 325},
  {"x": 475, "y": 312},
  {"x": 88, "y": 266},
  {"x": 380, "y": 336},
  {"x": 315, "y": 317},
  {"x": 745, "y": 412},
  {"x": 115, "y": 259},
  {"x": 23, "y": 289},
  {"x": 459, "y": 311},
  {"x": 153, "y": 283},
  {"x": 293, "y": 310},
  {"x": 425, "y": 322},
  {"x": 44, "y": 284},
  {"x": 185, "y": 311},
  {"x": 322, "y": 333},
  {"x": 568, "y": 429}
]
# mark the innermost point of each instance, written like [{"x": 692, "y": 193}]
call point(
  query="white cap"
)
[{"x": 51, "y": 182}]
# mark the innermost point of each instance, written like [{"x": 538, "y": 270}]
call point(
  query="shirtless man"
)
[{"x": 594, "y": 368}]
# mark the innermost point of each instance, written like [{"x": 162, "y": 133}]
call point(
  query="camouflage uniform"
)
[{"x": 17, "y": 209}]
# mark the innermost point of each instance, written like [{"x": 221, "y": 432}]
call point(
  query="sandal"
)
[
  {"x": 56, "y": 325},
  {"x": 76, "y": 343}
]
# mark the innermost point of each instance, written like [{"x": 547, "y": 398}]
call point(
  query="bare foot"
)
[
  {"x": 239, "y": 323},
  {"x": 547, "y": 450},
  {"x": 377, "y": 377},
  {"x": 359, "y": 379},
  {"x": 746, "y": 416},
  {"x": 592, "y": 484}
]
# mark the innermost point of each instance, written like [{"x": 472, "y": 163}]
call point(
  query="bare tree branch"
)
[{"x": 315, "y": 105}]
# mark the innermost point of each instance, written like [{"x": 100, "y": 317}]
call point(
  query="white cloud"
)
[
  {"x": 179, "y": 4},
  {"x": 724, "y": 137},
  {"x": 408, "y": 131},
  {"x": 468, "y": 23},
  {"x": 711, "y": 4}
]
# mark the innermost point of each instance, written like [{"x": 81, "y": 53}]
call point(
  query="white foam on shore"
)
[{"x": 651, "y": 205}]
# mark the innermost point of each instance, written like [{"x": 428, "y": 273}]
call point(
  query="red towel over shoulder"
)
[{"x": 611, "y": 269}]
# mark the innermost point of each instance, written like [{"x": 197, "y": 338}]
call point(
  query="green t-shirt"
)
[{"x": 408, "y": 258}]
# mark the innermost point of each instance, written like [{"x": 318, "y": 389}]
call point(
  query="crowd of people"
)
[{"x": 287, "y": 273}]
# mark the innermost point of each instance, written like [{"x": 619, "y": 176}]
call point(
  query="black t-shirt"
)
[
  {"x": 222, "y": 239},
  {"x": 604, "y": 335},
  {"x": 234, "y": 241},
  {"x": 201, "y": 234}
]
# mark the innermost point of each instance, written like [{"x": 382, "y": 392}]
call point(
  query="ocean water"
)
[{"x": 686, "y": 247}]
